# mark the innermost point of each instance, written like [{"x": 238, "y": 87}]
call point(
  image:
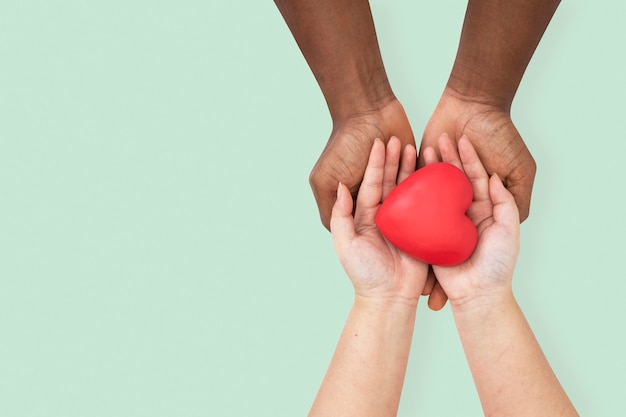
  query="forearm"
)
[
  {"x": 338, "y": 41},
  {"x": 497, "y": 42},
  {"x": 367, "y": 371},
  {"x": 511, "y": 373}
]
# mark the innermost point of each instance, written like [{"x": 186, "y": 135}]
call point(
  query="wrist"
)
[
  {"x": 467, "y": 105},
  {"x": 360, "y": 94},
  {"x": 386, "y": 304},
  {"x": 393, "y": 320},
  {"x": 480, "y": 305},
  {"x": 473, "y": 86}
]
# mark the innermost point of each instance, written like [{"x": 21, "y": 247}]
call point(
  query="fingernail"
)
[{"x": 339, "y": 191}]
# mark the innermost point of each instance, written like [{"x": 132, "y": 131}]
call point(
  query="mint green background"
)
[{"x": 160, "y": 250}]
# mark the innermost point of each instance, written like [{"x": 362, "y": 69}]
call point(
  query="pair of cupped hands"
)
[
  {"x": 380, "y": 271},
  {"x": 492, "y": 144}
]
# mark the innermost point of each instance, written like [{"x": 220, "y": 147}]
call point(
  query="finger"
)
[
  {"x": 449, "y": 152},
  {"x": 392, "y": 162},
  {"x": 325, "y": 201},
  {"x": 474, "y": 169},
  {"x": 438, "y": 298},
  {"x": 341, "y": 220},
  {"x": 430, "y": 281},
  {"x": 408, "y": 163},
  {"x": 371, "y": 190},
  {"x": 505, "y": 210},
  {"x": 430, "y": 155},
  {"x": 522, "y": 192}
]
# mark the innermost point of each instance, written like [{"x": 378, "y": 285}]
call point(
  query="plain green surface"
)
[{"x": 160, "y": 250}]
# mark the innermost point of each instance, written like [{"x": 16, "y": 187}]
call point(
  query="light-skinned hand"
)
[
  {"x": 377, "y": 269},
  {"x": 498, "y": 144},
  {"x": 489, "y": 270}
]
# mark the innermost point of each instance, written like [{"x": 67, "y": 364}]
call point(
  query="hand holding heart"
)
[
  {"x": 377, "y": 269},
  {"x": 489, "y": 270}
]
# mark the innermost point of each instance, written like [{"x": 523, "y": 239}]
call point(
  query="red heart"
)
[{"x": 424, "y": 216}]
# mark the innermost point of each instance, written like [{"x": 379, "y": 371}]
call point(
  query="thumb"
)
[
  {"x": 522, "y": 192},
  {"x": 324, "y": 200},
  {"x": 341, "y": 220}
]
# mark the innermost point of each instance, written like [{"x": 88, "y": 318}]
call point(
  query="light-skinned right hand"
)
[{"x": 489, "y": 270}]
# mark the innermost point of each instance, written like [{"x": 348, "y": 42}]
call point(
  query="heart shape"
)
[{"x": 424, "y": 216}]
